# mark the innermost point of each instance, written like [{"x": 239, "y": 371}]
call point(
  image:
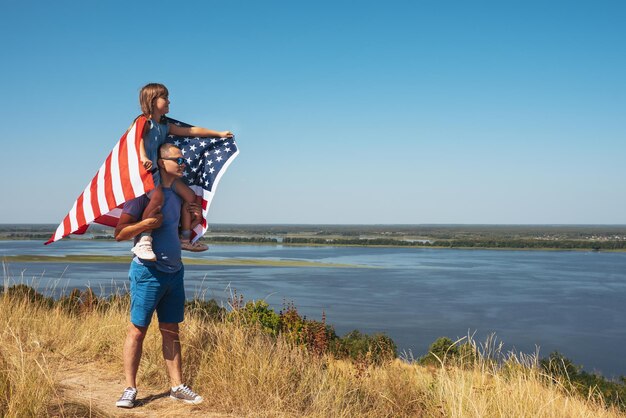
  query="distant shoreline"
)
[
  {"x": 452, "y": 236},
  {"x": 364, "y": 245}
]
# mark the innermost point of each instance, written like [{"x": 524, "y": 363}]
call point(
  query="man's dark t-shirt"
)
[{"x": 165, "y": 241}]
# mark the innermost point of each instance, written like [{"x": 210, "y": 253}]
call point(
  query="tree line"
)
[{"x": 465, "y": 243}]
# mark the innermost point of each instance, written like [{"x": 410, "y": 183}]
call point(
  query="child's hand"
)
[
  {"x": 147, "y": 164},
  {"x": 195, "y": 210},
  {"x": 226, "y": 134}
]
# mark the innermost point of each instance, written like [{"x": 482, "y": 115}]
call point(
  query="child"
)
[{"x": 154, "y": 101}]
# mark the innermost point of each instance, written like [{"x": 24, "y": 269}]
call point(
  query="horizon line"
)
[{"x": 365, "y": 224}]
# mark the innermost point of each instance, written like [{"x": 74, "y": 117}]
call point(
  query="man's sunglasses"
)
[{"x": 179, "y": 160}]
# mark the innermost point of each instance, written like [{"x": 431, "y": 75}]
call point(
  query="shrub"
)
[
  {"x": 207, "y": 310},
  {"x": 27, "y": 293},
  {"x": 79, "y": 303},
  {"x": 260, "y": 313},
  {"x": 374, "y": 349},
  {"x": 444, "y": 350},
  {"x": 316, "y": 336},
  {"x": 560, "y": 368}
]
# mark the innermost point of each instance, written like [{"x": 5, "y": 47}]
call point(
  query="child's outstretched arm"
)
[{"x": 198, "y": 131}]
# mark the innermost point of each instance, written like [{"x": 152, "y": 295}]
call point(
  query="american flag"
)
[
  {"x": 206, "y": 161},
  {"x": 122, "y": 177}
]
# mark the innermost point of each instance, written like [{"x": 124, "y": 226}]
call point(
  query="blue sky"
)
[{"x": 345, "y": 112}]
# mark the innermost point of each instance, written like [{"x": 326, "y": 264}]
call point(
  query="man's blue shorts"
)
[{"x": 152, "y": 289}]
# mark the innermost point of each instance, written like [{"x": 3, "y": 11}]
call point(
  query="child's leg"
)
[
  {"x": 143, "y": 248},
  {"x": 187, "y": 224},
  {"x": 188, "y": 196},
  {"x": 196, "y": 219},
  {"x": 180, "y": 188},
  {"x": 156, "y": 200},
  {"x": 188, "y": 220}
]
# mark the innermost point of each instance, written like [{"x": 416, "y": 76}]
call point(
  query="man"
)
[{"x": 157, "y": 285}]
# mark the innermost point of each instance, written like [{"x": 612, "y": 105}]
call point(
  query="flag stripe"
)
[
  {"x": 72, "y": 215},
  {"x": 146, "y": 177},
  {"x": 94, "y": 193},
  {"x": 116, "y": 182},
  {"x": 87, "y": 210},
  {"x": 80, "y": 214},
  {"x": 66, "y": 223},
  {"x": 124, "y": 172},
  {"x": 111, "y": 218},
  {"x": 101, "y": 199},
  {"x": 58, "y": 234},
  {"x": 133, "y": 163},
  {"x": 108, "y": 186}
]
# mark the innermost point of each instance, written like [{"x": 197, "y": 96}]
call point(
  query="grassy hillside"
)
[{"x": 245, "y": 367}]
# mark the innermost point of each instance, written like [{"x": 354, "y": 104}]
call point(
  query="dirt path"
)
[{"x": 89, "y": 390}]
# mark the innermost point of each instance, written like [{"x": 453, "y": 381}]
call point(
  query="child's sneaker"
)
[
  {"x": 143, "y": 249},
  {"x": 127, "y": 400},
  {"x": 196, "y": 247},
  {"x": 183, "y": 393}
]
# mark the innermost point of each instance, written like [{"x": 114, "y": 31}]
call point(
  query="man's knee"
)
[
  {"x": 169, "y": 329},
  {"x": 136, "y": 333}
]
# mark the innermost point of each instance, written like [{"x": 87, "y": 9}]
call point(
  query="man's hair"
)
[
  {"x": 148, "y": 94},
  {"x": 166, "y": 150}
]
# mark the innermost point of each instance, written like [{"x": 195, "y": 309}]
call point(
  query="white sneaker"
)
[
  {"x": 143, "y": 249},
  {"x": 127, "y": 400},
  {"x": 185, "y": 394}
]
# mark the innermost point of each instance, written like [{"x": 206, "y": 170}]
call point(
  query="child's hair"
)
[{"x": 148, "y": 94}]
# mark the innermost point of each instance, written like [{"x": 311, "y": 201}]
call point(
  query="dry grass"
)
[
  {"x": 511, "y": 386},
  {"x": 241, "y": 371}
]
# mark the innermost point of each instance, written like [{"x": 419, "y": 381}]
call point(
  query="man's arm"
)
[
  {"x": 128, "y": 227},
  {"x": 198, "y": 131}
]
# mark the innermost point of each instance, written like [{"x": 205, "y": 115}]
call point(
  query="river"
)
[{"x": 570, "y": 301}]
